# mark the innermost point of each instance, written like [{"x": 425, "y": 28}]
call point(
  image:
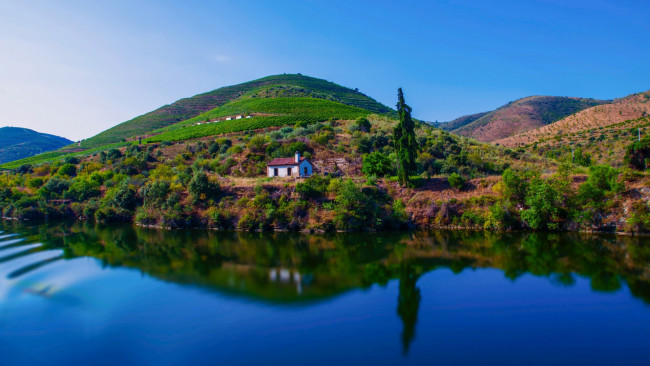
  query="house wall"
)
[
  {"x": 282, "y": 170},
  {"x": 305, "y": 164}
]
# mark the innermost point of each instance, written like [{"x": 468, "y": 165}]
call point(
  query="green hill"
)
[
  {"x": 19, "y": 143},
  {"x": 519, "y": 116},
  {"x": 277, "y": 86}
]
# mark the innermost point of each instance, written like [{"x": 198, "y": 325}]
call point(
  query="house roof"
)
[{"x": 285, "y": 161}]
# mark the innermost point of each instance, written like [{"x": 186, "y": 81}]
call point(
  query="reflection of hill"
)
[{"x": 285, "y": 268}]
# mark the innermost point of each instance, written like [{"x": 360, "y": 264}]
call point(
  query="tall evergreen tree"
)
[{"x": 406, "y": 145}]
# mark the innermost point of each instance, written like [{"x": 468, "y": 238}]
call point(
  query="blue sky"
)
[{"x": 75, "y": 68}]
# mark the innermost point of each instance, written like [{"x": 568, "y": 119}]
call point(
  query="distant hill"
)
[
  {"x": 632, "y": 107},
  {"x": 603, "y": 131},
  {"x": 519, "y": 116},
  {"x": 277, "y": 86},
  {"x": 18, "y": 143}
]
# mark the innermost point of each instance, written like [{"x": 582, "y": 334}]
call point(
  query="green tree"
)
[
  {"x": 544, "y": 203},
  {"x": 67, "y": 170},
  {"x": 637, "y": 154},
  {"x": 406, "y": 145},
  {"x": 376, "y": 163},
  {"x": 363, "y": 124},
  {"x": 201, "y": 188},
  {"x": 456, "y": 180}
]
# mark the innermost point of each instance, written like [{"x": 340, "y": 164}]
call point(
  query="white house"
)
[{"x": 290, "y": 167}]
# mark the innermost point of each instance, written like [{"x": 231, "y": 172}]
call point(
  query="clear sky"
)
[{"x": 75, "y": 68}]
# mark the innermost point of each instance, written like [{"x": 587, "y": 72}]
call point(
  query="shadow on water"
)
[{"x": 285, "y": 269}]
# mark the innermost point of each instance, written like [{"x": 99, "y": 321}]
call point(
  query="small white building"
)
[{"x": 290, "y": 167}]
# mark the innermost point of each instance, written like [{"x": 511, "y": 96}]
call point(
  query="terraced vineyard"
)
[
  {"x": 287, "y": 111},
  {"x": 270, "y": 86}
]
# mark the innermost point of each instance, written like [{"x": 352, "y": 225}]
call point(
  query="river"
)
[{"x": 75, "y": 294}]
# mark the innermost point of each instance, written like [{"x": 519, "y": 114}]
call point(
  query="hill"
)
[
  {"x": 519, "y": 116},
  {"x": 620, "y": 110},
  {"x": 277, "y": 86},
  {"x": 603, "y": 131},
  {"x": 18, "y": 143}
]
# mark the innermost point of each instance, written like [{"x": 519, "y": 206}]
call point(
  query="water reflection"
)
[{"x": 282, "y": 269}]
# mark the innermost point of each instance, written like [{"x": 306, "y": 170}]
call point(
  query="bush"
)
[
  {"x": 81, "y": 190},
  {"x": 35, "y": 183},
  {"x": 376, "y": 164},
  {"x": 363, "y": 124},
  {"x": 637, "y": 154},
  {"x": 544, "y": 203},
  {"x": 313, "y": 187},
  {"x": 456, "y": 181},
  {"x": 201, "y": 188},
  {"x": 68, "y": 170},
  {"x": 124, "y": 196},
  {"x": 155, "y": 193},
  {"x": 54, "y": 187}
]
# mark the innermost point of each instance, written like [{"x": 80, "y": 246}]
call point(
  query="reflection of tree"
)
[{"x": 408, "y": 303}]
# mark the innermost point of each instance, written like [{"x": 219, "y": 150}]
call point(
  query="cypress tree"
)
[{"x": 406, "y": 145}]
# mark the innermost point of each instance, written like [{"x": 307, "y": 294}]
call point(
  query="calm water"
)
[{"x": 119, "y": 295}]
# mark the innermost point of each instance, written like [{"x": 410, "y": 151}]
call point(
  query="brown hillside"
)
[
  {"x": 631, "y": 107},
  {"x": 523, "y": 115}
]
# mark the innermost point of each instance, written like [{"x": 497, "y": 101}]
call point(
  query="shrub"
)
[
  {"x": 376, "y": 164},
  {"x": 54, "y": 187},
  {"x": 201, "y": 188},
  {"x": 313, "y": 187},
  {"x": 363, "y": 124},
  {"x": 637, "y": 154},
  {"x": 68, "y": 170},
  {"x": 456, "y": 181},
  {"x": 35, "y": 183},
  {"x": 81, "y": 190},
  {"x": 543, "y": 202}
]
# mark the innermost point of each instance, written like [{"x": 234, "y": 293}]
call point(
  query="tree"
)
[
  {"x": 376, "y": 163},
  {"x": 456, "y": 181},
  {"x": 363, "y": 124},
  {"x": 201, "y": 188},
  {"x": 637, "y": 154},
  {"x": 406, "y": 145}
]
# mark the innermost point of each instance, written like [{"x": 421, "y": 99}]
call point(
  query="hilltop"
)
[
  {"x": 519, "y": 116},
  {"x": 276, "y": 86},
  {"x": 18, "y": 143}
]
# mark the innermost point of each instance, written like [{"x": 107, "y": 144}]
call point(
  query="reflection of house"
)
[
  {"x": 283, "y": 275},
  {"x": 290, "y": 167}
]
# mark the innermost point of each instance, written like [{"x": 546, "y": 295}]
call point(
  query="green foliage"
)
[
  {"x": 406, "y": 145},
  {"x": 124, "y": 196},
  {"x": 313, "y": 187},
  {"x": 376, "y": 164},
  {"x": 362, "y": 124},
  {"x": 82, "y": 189},
  {"x": 456, "y": 180},
  {"x": 581, "y": 158},
  {"x": 639, "y": 220},
  {"x": 201, "y": 188},
  {"x": 544, "y": 203},
  {"x": 67, "y": 170},
  {"x": 637, "y": 154},
  {"x": 155, "y": 193},
  {"x": 54, "y": 187},
  {"x": 515, "y": 185}
]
